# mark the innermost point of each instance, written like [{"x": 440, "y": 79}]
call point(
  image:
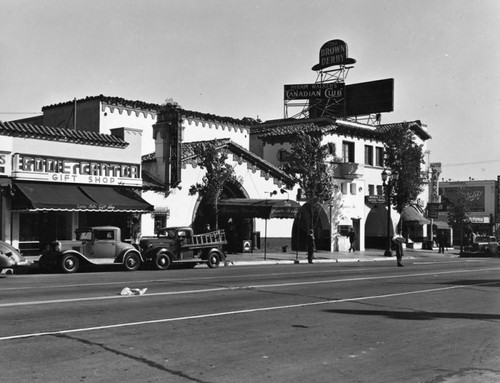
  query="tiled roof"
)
[
  {"x": 237, "y": 150},
  {"x": 111, "y": 101},
  {"x": 279, "y": 129},
  {"x": 150, "y": 182},
  {"x": 16, "y": 129},
  {"x": 289, "y": 127},
  {"x": 155, "y": 108},
  {"x": 188, "y": 148},
  {"x": 415, "y": 126}
]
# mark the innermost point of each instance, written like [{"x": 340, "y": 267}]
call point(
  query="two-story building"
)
[
  {"x": 54, "y": 180},
  {"x": 357, "y": 155}
]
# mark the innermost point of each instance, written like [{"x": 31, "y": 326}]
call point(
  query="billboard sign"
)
[
  {"x": 328, "y": 91},
  {"x": 475, "y": 196},
  {"x": 359, "y": 100},
  {"x": 434, "y": 182},
  {"x": 333, "y": 52},
  {"x": 370, "y": 97},
  {"x": 433, "y": 210}
]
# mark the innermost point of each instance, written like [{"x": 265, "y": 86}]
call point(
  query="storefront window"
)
[{"x": 41, "y": 228}]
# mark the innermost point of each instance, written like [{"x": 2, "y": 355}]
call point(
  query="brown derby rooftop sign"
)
[{"x": 333, "y": 52}]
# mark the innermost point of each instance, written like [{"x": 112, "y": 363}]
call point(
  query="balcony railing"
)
[{"x": 348, "y": 170}]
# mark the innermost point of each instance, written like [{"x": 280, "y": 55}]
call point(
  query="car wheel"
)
[
  {"x": 213, "y": 260},
  {"x": 69, "y": 263},
  {"x": 162, "y": 261},
  {"x": 132, "y": 261}
]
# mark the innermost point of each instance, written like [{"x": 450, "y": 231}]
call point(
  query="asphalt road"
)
[{"x": 431, "y": 321}]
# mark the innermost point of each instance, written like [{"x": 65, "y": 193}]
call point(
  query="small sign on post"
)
[{"x": 247, "y": 246}]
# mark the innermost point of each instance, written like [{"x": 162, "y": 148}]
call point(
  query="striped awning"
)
[
  {"x": 38, "y": 196},
  {"x": 412, "y": 213}
]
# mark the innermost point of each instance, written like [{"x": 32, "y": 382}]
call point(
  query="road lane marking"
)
[
  {"x": 181, "y": 280},
  {"x": 228, "y": 313},
  {"x": 237, "y": 287}
]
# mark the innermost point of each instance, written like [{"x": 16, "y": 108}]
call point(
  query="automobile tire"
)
[
  {"x": 213, "y": 260},
  {"x": 162, "y": 261},
  {"x": 132, "y": 261},
  {"x": 69, "y": 263}
]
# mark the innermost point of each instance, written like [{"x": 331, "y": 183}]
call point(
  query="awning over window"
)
[
  {"x": 258, "y": 208},
  {"x": 34, "y": 196},
  {"x": 412, "y": 214},
  {"x": 440, "y": 225}
]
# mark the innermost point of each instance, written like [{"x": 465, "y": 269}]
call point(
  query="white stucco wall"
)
[
  {"x": 114, "y": 117},
  {"x": 194, "y": 130},
  {"x": 182, "y": 205}
]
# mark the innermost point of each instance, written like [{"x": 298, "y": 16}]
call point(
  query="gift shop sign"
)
[{"x": 70, "y": 170}]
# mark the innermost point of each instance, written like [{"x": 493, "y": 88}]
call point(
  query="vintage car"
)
[
  {"x": 179, "y": 245},
  {"x": 10, "y": 257},
  {"x": 485, "y": 244},
  {"x": 98, "y": 245}
]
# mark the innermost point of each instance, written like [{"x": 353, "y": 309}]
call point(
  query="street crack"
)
[{"x": 145, "y": 361}]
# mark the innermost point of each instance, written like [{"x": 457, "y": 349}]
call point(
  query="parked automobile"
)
[
  {"x": 486, "y": 244},
  {"x": 10, "y": 257},
  {"x": 99, "y": 245},
  {"x": 179, "y": 245}
]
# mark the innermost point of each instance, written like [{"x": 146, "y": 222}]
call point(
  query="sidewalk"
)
[{"x": 369, "y": 255}]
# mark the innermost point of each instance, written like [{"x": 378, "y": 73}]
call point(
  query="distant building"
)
[{"x": 482, "y": 196}]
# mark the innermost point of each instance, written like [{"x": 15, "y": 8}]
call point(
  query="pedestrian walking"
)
[
  {"x": 398, "y": 245},
  {"x": 352, "y": 240},
  {"x": 440, "y": 240},
  {"x": 135, "y": 233},
  {"x": 311, "y": 246}
]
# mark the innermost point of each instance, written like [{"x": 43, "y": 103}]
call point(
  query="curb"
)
[{"x": 304, "y": 261}]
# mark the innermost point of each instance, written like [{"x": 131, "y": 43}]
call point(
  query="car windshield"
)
[
  {"x": 168, "y": 233},
  {"x": 83, "y": 235}
]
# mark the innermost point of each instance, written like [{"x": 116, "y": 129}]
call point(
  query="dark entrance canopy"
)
[
  {"x": 258, "y": 208},
  {"x": 412, "y": 214},
  {"x": 34, "y": 196}
]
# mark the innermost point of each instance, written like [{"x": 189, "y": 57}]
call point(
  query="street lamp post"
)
[
  {"x": 388, "y": 180},
  {"x": 274, "y": 192}
]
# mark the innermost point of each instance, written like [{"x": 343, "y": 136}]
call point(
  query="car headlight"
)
[{"x": 57, "y": 246}]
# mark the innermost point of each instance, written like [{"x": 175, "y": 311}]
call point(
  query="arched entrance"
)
[
  {"x": 302, "y": 225},
  {"x": 376, "y": 227},
  {"x": 237, "y": 229}
]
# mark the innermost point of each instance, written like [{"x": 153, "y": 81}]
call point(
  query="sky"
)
[{"x": 233, "y": 57}]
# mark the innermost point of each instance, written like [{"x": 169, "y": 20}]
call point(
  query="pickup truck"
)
[
  {"x": 101, "y": 245},
  {"x": 181, "y": 245}
]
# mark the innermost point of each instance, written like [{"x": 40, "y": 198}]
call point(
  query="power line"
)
[{"x": 471, "y": 163}]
